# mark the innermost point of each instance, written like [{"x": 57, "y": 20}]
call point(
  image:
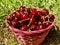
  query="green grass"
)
[{"x": 7, "y": 6}]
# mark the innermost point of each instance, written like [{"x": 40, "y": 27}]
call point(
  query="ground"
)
[{"x": 7, "y": 6}]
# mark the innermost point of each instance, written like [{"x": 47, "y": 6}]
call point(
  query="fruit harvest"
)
[{"x": 30, "y": 19}]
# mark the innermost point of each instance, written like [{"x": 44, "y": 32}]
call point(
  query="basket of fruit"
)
[{"x": 30, "y": 25}]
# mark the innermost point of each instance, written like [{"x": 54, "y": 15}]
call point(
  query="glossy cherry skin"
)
[
  {"x": 18, "y": 15},
  {"x": 51, "y": 17},
  {"x": 46, "y": 24},
  {"x": 41, "y": 19},
  {"x": 33, "y": 11},
  {"x": 18, "y": 25},
  {"x": 32, "y": 20},
  {"x": 23, "y": 28},
  {"x": 25, "y": 16},
  {"x": 40, "y": 26},
  {"x": 45, "y": 12},
  {"x": 33, "y": 27},
  {"x": 37, "y": 18},
  {"x": 15, "y": 19},
  {"x": 11, "y": 17},
  {"x": 26, "y": 22},
  {"x": 36, "y": 21},
  {"x": 28, "y": 10},
  {"x": 39, "y": 12}
]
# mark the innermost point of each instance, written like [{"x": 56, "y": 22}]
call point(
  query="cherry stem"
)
[
  {"x": 30, "y": 21},
  {"x": 48, "y": 19},
  {"x": 30, "y": 24},
  {"x": 43, "y": 19},
  {"x": 29, "y": 30},
  {"x": 24, "y": 20}
]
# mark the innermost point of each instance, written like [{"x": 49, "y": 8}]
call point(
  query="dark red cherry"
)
[
  {"x": 39, "y": 12},
  {"x": 51, "y": 17},
  {"x": 30, "y": 15},
  {"x": 45, "y": 12},
  {"x": 32, "y": 20},
  {"x": 33, "y": 27},
  {"x": 33, "y": 11},
  {"x": 37, "y": 18},
  {"x": 46, "y": 19},
  {"x": 28, "y": 10},
  {"x": 40, "y": 26},
  {"x": 11, "y": 18},
  {"x": 18, "y": 15},
  {"x": 18, "y": 25},
  {"x": 25, "y": 16},
  {"x": 47, "y": 24},
  {"x": 44, "y": 25},
  {"x": 23, "y": 28},
  {"x": 26, "y": 22},
  {"x": 41, "y": 19},
  {"x": 15, "y": 19}
]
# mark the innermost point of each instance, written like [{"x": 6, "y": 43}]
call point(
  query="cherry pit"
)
[{"x": 30, "y": 19}]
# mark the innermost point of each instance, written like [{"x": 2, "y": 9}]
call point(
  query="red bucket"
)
[{"x": 31, "y": 38}]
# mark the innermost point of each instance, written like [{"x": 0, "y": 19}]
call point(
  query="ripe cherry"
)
[
  {"x": 23, "y": 28},
  {"x": 18, "y": 25},
  {"x": 28, "y": 10},
  {"x": 32, "y": 20},
  {"x": 30, "y": 15},
  {"x": 41, "y": 19},
  {"x": 40, "y": 26},
  {"x": 37, "y": 18},
  {"x": 33, "y": 11},
  {"x": 39, "y": 12},
  {"x": 51, "y": 17},
  {"x": 25, "y": 16},
  {"x": 47, "y": 24},
  {"x": 45, "y": 12},
  {"x": 12, "y": 16},
  {"x": 26, "y": 22},
  {"x": 15, "y": 19},
  {"x": 33, "y": 27},
  {"x": 18, "y": 15}
]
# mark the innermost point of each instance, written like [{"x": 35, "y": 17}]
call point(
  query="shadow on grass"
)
[{"x": 53, "y": 38}]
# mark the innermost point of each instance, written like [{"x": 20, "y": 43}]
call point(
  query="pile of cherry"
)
[{"x": 30, "y": 19}]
